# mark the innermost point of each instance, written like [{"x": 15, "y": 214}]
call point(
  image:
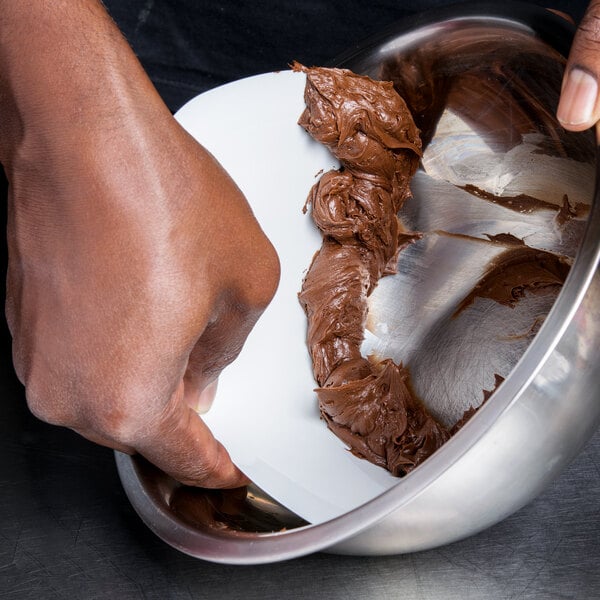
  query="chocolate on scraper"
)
[{"x": 369, "y": 404}]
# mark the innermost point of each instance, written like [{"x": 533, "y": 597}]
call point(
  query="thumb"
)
[
  {"x": 579, "y": 105},
  {"x": 182, "y": 446}
]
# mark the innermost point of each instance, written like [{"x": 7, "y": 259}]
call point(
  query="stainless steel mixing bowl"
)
[{"x": 483, "y": 83}]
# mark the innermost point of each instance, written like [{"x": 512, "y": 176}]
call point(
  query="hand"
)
[
  {"x": 579, "y": 106},
  {"x": 136, "y": 267}
]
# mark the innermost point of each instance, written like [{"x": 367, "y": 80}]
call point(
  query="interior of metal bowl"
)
[{"x": 498, "y": 175}]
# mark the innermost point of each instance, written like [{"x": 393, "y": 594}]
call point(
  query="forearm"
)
[{"x": 63, "y": 66}]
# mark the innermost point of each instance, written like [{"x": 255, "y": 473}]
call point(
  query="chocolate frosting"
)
[
  {"x": 515, "y": 271},
  {"x": 524, "y": 203},
  {"x": 369, "y": 404}
]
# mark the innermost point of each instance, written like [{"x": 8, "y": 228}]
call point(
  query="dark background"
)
[
  {"x": 189, "y": 46},
  {"x": 66, "y": 527}
]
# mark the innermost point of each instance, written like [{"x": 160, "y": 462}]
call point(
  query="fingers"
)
[
  {"x": 579, "y": 105},
  {"x": 181, "y": 444},
  {"x": 232, "y": 321},
  {"x": 218, "y": 346},
  {"x": 176, "y": 440}
]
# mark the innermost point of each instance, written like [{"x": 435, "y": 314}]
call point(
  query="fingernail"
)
[
  {"x": 578, "y": 98},
  {"x": 207, "y": 397}
]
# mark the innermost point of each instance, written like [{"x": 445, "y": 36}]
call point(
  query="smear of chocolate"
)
[
  {"x": 468, "y": 414},
  {"x": 505, "y": 239},
  {"x": 522, "y": 203},
  {"x": 529, "y": 332},
  {"x": 567, "y": 212},
  {"x": 515, "y": 271},
  {"x": 518, "y": 269},
  {"x": 228, "y": 510}
]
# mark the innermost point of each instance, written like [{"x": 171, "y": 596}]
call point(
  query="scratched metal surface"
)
[{"x": 68, "y": 532}]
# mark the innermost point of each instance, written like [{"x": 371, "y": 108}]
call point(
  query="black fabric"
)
[{"x": 189, "y": 46}]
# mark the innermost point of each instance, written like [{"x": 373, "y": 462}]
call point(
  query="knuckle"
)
[
  {"x": 114, "y": 425},
  {"x": 47, "y": 408},
  {"x": 589, "y": 28},
  {"x": 121, "y": 418},
  {"x": 114, "y": 416},
  {"x": 263, "y": 277}
]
